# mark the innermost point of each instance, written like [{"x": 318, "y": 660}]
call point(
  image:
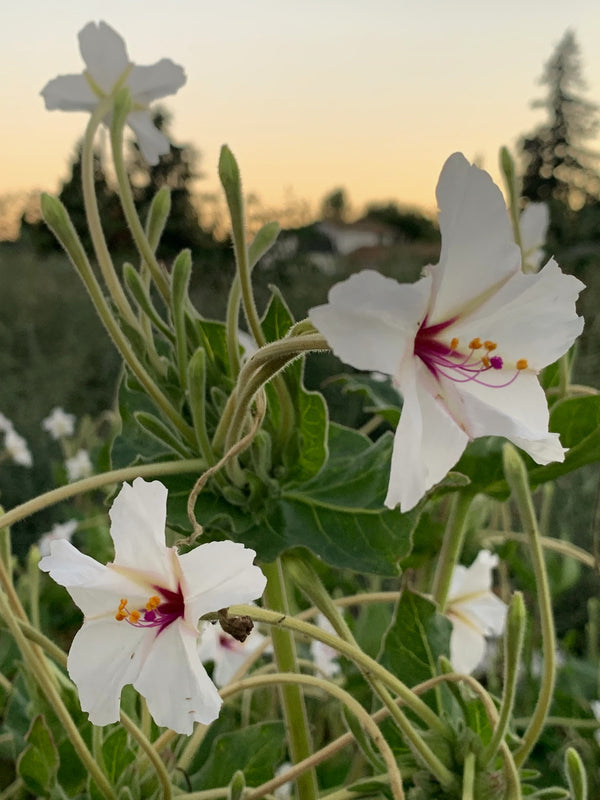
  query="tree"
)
[
  {"x": 411, "y": 225},
  {"x": 334, "y": 206},
  {"x": 557, "y": 164}
]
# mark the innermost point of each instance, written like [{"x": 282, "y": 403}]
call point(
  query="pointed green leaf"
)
[{"x": 38, "y": 764}]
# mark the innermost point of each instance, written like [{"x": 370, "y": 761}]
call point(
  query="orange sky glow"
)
[{"x": 309, "y": 94}]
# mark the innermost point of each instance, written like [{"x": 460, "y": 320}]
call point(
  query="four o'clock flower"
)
[
  {"x": 465, "y": 343},
  {"x": 141, "y": 612},
  {"x": 474, "y": 610},
  {"x": 78, "y": 466},
  {"x": 227, "y": 654},
  {"x": 109, "y": 69}
]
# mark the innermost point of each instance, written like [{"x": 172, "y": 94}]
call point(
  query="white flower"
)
[
  {"x": 463, "y": 344},
  {"x": 59, "y": 424},
  {"x": 227, "y": 653},
  {"x": 17, "y": 449},
  {"x": 108, "y": 69},
  {"x": 534, "y": 222},
  {"x": 474, "y": 610},
  {"x": 324, "y": 656},
  {"x": 60, "y": 530},
  {"x": 141, "y": 612},
  {"x": 283, "y": 792},
  {"x": 78, "y": 466}
]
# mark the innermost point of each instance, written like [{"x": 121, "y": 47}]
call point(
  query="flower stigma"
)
[
  {"x": 460, "y": 366},
  {"x": 159, "y": 612}
]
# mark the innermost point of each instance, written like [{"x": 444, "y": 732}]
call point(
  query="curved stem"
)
[
  {"x": 468, "y": 776},
  {"x": 93, "y": 216},
  {"x": 151, "y": 754},
  {"x": 346, "y": 698},
  {"x": 356, "y": 655},
  {"x": 516, "y": 477},
  {"x": 549, "y": 543},
  {"x": 95, "y": 482},
  {"x": 131, "y": 215}
]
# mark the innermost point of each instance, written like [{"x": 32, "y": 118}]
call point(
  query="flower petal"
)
[
  {"x": 217, "y": 575},
  {"x": 104, "y": 53},
  {"x": 371, "y": 321},
  {"x": 485, "y": 611},
  {"x": 531, "y": 316},
  {"x": 467, "y": 646},
  {"x": 104, "y": 657},
  {"x": 96, "y": 589},
  {"x": 151, "y": 141},
  {"x": 428, "y": 442},
  {"x": 69, "y": 93},
  {"x": 518, "y": 412},
  {"x": 138, "y": 517},
  {"x": 174, "y": 682},
  {"x": 157, "y": 80},
  {"x": 478, "y": 250},
  {"x": 476, "y": 578}
]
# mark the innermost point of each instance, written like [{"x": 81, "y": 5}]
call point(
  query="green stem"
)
[
  {"x": 452, "y": 546},
  {"x": 151, "y": 754},
  {"x": 293, "y": 681},
  {"x": 95, "y": 482},
  {"x": 468, "y": 784},
  {"x": 231, "y": 327},
  {"x": 93, "y": 216},
  {"x": 293, "y": 701},
  {"x": 548, "y": 542},
  {"x": 516, "y": 477},
  {"x": 135, "y": 226},
  {"x": 37, "y": 667},
  {"x": 355, "y": 654},
  {"x": 309, "y": 582}
]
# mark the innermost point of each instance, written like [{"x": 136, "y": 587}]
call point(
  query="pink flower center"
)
[
  {"x": 460, "y": 364},
  {"x": 159, "y": 611}
]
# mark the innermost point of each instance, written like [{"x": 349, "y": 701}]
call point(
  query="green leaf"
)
[
  {"x": 38, "y": 764},
  {"x": 254, "y": 750},
  {"x": 117, "y": 754},
  {"x": 415, "y": 640}
]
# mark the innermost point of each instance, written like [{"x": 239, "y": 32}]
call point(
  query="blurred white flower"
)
[
  {"x": 141, "y": 612},
  {"x": 60, "y": 530},
  {"x": 78, "y": 466},
  {"x": 108, "y": 69},
  {"x": 283, "y": 792},
  {"x": 324, "y": 656},
  {"x": 465, "y": 343},
  {"x": 227, "y": 653},
  {"x": 59, "y": 424},
  {"x": 474, "y": 610},
  {"x": 534, "y": 222},
  {"x": 17, "y": 448}
]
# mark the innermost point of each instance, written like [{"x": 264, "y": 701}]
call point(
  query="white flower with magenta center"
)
[
  {"x": 474, "y": 610},
  {"x": 109, "y": 69},
  {"x": 227, "y": 654},
  {"x": 465, "y": 343},
  {"x": 141, "y": 612}
]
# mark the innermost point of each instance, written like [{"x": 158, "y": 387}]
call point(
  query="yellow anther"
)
[
  {"x": 134, "y": 617},
  {"x": 454, "y": 344},
  {"x": 123, "y": 603},
  {"x": 489, "y": 345},
  {"x": 153, "y": 602},
  {"x": 475, "y": 344},
  {"x": 120, "y": 616},
  {"x": 522, "y": 363},
  {"x": 485, "y": 361}
]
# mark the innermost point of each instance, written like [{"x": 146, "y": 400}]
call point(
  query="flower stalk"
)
[{"x": 454, "y": 538}]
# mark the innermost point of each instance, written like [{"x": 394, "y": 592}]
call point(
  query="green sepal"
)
[
  {"x": 196, "y": 380},
  {"x": 180, "y": 278},
  {"x": 263, "y": 241}
]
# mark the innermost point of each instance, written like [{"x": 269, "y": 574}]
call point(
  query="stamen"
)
[
  {"x": 486, "y": 362},
  {"x": 489, "y": 345},
  {"x": 475, "y": 344},
  {"x": 134, "y": 617},
  {"x": 153, "y": 602},
  {"x": 120, "y": 616},
  {"x": 522, "y": 363},
  {"x": 454, "y": 344}
]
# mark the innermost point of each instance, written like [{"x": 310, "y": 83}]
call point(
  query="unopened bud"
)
[
  {"x": 158, "y": 215},
  {"x": 237, "y": 787},
  {"x": 576, "y": 774}
]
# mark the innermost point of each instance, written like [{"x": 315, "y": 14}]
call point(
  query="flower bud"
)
[
  {"x": 121, "y": 107},
  {"x": 237, "y": 787},
  {"x": 576, "y": 774},
  {"x": 263, "y": 242},
  {"x": 158, "y": 215}
]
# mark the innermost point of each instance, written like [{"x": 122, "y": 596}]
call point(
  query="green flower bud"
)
[
  {"x": 237, "y": 786},
  {"x": 158, "y": 215},
  {"x": 576, "y": 774}
]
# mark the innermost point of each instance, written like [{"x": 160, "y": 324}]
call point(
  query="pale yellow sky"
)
[{"x": 372, "y": 95}]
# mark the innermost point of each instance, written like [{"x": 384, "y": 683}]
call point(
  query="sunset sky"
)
[{"x": 309, "y": 94}]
